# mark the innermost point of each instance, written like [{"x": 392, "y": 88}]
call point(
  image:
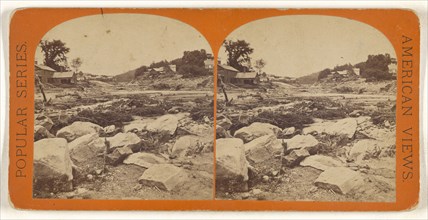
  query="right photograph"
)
[{"x": 306, "y": 111}]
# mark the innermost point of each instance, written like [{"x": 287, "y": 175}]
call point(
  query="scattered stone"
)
[
  {"x": 346, "y": 126},
  {"x": 262, "y": 148},
  {"x": 313, "y": 189},
  {"x": 256, "y": 130},
  {"x": 223, "y": 121},
  {"x": 231, "y": 166},
  {"x": 245, "y": 195},
  {"x": 41, "y": 132},
  {"x": 78, "y": 129},
  {"x": 321, "y": 162},
  {"x": 143, "y": 159},
  {"x": 130, "y": 140},
  {"x": 118, "y": 155},
  {"x": 137, "y": 125},
  {"x": 293, "y": 159},
  {"x": 166, "y": 123},
  {"x": 387, "y": 124},
  {"x": 275, "y": 173},
  {"x": 288, "y": 131},
  {"x": 44, "y": 121},
  {"x": 366, "y": 148},
  {"x": 89, "y": 177},
  {"x": 109, "y": 129},
  {"x": 52, "y": 165},
  {"x": 256, "y": 191},
  {"x": 339, "y": 179},
  {"x": 163, "y": 176},
  {"x": 355, "y": 113},
  {"x": 98, "y": 171},
  {"x": 301, "y": 142},
  {"x": 265, "y": 179},
  {"x": 188, "y": 145},
  {"x": 85, "y": 148},
  {"x": 222, "y": 133}
]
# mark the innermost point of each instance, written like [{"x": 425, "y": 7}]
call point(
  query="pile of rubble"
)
[
  {"x": 84, "y": 151},
  {"x": 345, "y": 152}
]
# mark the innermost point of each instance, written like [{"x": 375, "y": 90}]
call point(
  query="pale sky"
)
[
  {"x": 115, "y": 43},
  {"x": 299, "y": 45}
]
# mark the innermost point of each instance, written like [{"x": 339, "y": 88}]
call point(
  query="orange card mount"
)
[{"x": 214, "y": 109}]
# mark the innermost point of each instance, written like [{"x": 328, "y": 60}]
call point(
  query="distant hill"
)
[
  {"x": 126, "y": 77},
  {"x": 308, "y": 79}
]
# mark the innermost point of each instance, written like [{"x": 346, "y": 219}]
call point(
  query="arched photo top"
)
[
  {"x": 298, "y": 45},
  {"x": 111, "y": 44}
]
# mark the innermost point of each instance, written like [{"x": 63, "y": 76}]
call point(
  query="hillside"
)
[
  {"x": 125, "y": 77},
  {"x": 308, "y": 79}
]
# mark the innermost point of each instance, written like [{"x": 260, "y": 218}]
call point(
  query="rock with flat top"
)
[
  {"x": 130, "y": 140},
  {"x": 293, "y": 159},
  {"x": 163, "y": 176},
  {"x": 339, "y": 179},
  {"x": 346, "y": 127},
  {"x": 166, "y": 123},
  {"x": 78, "y": 129},
  {"x": 301, "y": 141},
  {"x": 143, "y": 159},
  {"x": 188, "y": 145},
  {"x": 321, "y": 162},
  {"x": 118, "y": 155},
  {"x": 85, "y": 148},
  {"x": 255, "y": 130}
]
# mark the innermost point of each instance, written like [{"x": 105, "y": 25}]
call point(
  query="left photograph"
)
[{"x": 123, "y": 109}]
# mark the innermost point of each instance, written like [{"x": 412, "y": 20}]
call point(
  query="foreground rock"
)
[
  {"x": 163, "y": 176},
  {"x": 166, "y": 123},
  {"x": 293, "y": 159},
  {"x": 256, "y": 130},
  {"x": 41, "y": 132},
  {"x": 339, "y": 179},
  {"x": 52, "y": 166},
  {"x": 366, "y": 149},
  {"x": 189, "y": 145},
  {"x": 347, "y": 127},
  {"x": 301, "y": 141},
  {"x": 44, "y": 121},
  {"x": 118, "y": 155},
  {"x": 78, "y": 129},
  {"x": 143, "y": 159},
  {"x": 262, "y": 148},
  {"x": 224, "y": 122},
  {"x": 231, "y": 166},
  {"x": 130, "y": 140},
  {"x": 86, "y": 148},
  {"x": 321, "y": 162}
]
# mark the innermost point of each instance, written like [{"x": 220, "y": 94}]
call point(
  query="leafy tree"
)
[
  {"x": 324, "y": 73},
  {"x": 238, "y": 54},
  {"x": 55, "y": 54},
  {"x": 376, "y": 67},
  {"x": 76, "y": 63},
  {"x": 260, "y": 63}
]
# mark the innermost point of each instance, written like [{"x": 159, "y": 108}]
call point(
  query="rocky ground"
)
[
  {"x": 104, "y": 141},
  {"x": 291, "y": 142}
]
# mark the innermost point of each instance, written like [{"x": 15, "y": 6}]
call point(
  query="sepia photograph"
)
[
  {"x": 123, "y": 110},
  {"x": 306, "y": 112}
]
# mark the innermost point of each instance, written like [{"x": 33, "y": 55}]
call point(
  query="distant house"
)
[
  {"x": 209, "y": 63},
  {"x": 247, "y": 78},
  {"x": 392, "y": 69},
  {"x": 227, "y": 73},
  {"x": 44, "y": 73},
  {"x": 63, "y": 78},
  {"x": 356, "y": 71},
  {"x": 163, "y": 69}
]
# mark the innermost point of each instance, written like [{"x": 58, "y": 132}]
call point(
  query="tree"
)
[
  {"x": 324, "y": 73},
  {"x": 238, "y": 54},
  {"x": 259, "y": 65},
  {"x": 376, "y": 67},
  {"x": 76, "y": 63},
  {"x": 55, "y": 54}
]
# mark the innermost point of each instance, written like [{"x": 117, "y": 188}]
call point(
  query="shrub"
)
[{"x": 283, "y": 120}]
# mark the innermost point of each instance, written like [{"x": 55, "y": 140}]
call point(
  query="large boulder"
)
[
  {"x": 231, "y": 166},
  {"x": 78, "y": 129},
  {"x": 189, "y": 145},
  {"x": 118, "y": 155},
  {"x": 263, "y": 148},
  {"x": 137, "y": 125},
  {"x": 301, "y": 141},
  {"x": 130, "y": 140},
  {"x": 143, "y": 159},
  {"x": 86, "y": 147},
  {"x": 52, "y": 166},
  {"x": 44, "y": 121},
  {"x": 339, "y": 179},
  {"x": 41, "y": 132},
  {"x": 164, "y": 176},
  {"x": 293, "y": 159},
  {"x": 166, "y": 123},
  {"x": 321, "y": 162},
  {"x": 346, "y": 126},
  {"x": 367, "y": 148},
  {"x": 256, "y": 130}
]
